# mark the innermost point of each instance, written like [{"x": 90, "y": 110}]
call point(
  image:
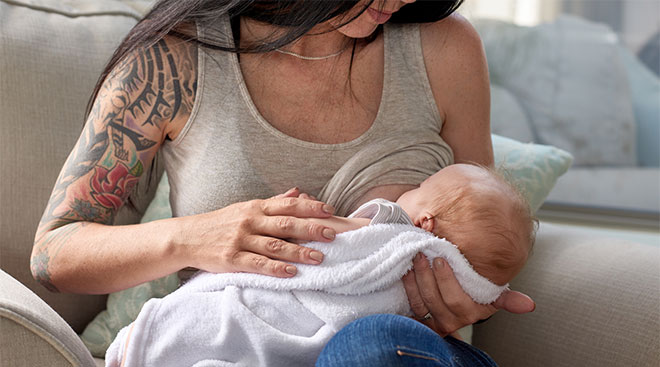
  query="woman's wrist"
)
[{"x": 174, "y": 251}]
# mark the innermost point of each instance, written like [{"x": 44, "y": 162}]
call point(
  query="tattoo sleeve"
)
[{"x": 144, "y": 95}]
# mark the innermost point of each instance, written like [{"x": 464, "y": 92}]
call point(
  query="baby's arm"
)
[
  {"x": 387, "y": 192},
  {"x": 341, "y": 224}
]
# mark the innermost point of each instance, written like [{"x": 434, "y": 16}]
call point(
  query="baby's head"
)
[{"x": 481, "y": 213}]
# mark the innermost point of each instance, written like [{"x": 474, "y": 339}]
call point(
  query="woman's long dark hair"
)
[{"x": 297, "y": 16}]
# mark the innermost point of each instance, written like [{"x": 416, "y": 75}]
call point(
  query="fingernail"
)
[
  {"x": 418, "y": 257},
  {"x": 438, "y": 263},
  {"x": 329, "y": 233},
  {"x": 328, "y": 209},
  {"x": 291, "y": 269},
  {"x": 292, "y": 190},
  {"x": 315, "y": 255}
]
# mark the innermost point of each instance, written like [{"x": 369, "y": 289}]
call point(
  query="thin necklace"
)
[{"x": 312, "y": 57}]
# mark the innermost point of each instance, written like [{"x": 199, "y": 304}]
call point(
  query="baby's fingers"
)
[
  {"x": 293, "y": 192},
  {"x": 295, "y": 228},
  {"x": 295, "y": 207},
  {"x": 307, "y": 196}
]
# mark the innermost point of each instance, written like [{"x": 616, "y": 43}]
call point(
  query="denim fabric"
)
[{"x": 393, "y": 340}]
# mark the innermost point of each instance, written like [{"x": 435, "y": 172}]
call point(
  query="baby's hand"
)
[{"x": 295, "y": 193}]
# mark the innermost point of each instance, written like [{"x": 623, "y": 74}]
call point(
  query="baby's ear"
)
[{"x": 428, "y": 223}]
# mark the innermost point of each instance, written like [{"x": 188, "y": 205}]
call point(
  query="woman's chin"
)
[{"x": 362, "y": 30}]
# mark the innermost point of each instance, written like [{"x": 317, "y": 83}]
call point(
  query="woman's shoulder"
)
[
  {"x": 159, "y": 81},
  {"x": 182, "y": 62},
  {"x": 454, "y": 57},
  {"x": 451, "y": 34}
]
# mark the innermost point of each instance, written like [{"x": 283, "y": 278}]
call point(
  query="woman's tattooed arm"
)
[{"x": 147, "y": 96}]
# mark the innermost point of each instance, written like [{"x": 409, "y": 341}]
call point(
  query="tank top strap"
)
[{"x": 407, "y": 68}]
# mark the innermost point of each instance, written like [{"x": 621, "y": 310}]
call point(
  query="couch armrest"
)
[
  {"x": 597, "y": 305},
  {"x": 33, "y": 334}
]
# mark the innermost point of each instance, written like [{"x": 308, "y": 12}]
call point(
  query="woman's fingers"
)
[
  {"x": 254, "y": 263},
  {"x": 296, "y": 207},
  {"x": 417, "y": 305},
  {"x": 414, "y": 298},
  {"x": 293, "y": 192},
  {"x": 292, "y": 227},
  {"x": 515, "y": 302},
  {"x": 442, "y": 321},
  {"x": 461, "y": 305},
  {"x": 259, "y": 228},
  {"x": 279, "y": 249}
]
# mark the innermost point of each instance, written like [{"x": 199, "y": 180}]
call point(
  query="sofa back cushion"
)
[
  {"x": 572, "y": 84},
  {"x": 51, "y": 54}
]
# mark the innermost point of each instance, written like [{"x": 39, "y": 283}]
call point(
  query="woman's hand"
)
[
  {"x": 248, "y": 236},
  {"x": 436, "y": 291}
]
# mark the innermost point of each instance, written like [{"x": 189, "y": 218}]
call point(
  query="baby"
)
[
  {"x": 252, "y": 319},
  {"x": 470, "y": 206}
]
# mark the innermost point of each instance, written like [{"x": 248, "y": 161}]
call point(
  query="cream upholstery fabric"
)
[
  {"x": 597, "y": 305},
  {"x": 572, "y": 84},
  {"x": 51, "y": 52},
  {"x": 32, "y": 332},
  {"x": 24, "y": 348},
  {"x": 635, "y": 188},
  {"x": 45, "y": 81}
]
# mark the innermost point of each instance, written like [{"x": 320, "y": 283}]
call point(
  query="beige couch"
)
[{"x": 598, "y": 299}]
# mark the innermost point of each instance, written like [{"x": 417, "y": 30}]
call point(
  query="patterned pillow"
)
[{"x": 534, "y": 168}]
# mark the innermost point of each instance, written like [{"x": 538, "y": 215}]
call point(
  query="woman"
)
[{"x": 242, "y": 109}]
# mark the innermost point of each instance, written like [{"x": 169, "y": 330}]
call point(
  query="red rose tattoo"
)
[{"x": 111, "y": 187}]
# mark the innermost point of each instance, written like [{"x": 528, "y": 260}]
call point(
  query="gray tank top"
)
[{"x": 227, "y": 152}]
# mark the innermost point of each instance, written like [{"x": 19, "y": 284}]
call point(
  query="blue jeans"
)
[{"x": 393, "y": 340}]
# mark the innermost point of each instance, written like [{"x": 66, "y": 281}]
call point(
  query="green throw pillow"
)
[
  {"x": 123, "y": 307},
  {"x": 534, "y": 168}
]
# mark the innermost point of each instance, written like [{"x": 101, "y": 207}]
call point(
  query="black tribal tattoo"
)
[{"x": 145, "y": 91}]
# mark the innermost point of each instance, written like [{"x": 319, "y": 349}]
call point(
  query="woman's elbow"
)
[
  {"x": 40, "y": 266},
  {"x": 41, "y": 259}
]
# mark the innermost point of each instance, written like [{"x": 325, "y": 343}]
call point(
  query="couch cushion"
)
[
  {"x": 597, "y": 305},
  {"x": 51, "y": 54},
  {"x": 507, "y": 117},
  {"x": 33, "y": 333},
  {"x": 645, "y": 86},
  {"x": 614, "y": 188},
  {"x": 570, "y": 80}
]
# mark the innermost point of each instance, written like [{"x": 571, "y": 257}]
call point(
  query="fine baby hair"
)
[{"x": 487, "y": 217}]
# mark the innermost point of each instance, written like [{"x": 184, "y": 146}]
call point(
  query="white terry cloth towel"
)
[{"x": 239, "y": 319}]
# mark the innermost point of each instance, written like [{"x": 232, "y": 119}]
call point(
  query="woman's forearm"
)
[
  {"x": 92, "y": 258},
  {"x": 85, "y": 257}
]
